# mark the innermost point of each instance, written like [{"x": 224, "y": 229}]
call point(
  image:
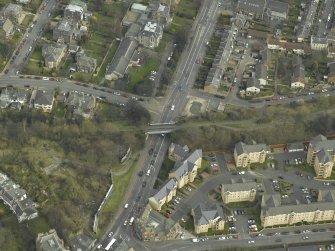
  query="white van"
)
[
  {"x": 148, "y": 172},
  {"x": 131, "y": 221},
  {"x": 195, "y": 240}
]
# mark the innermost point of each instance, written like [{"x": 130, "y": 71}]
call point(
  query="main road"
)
[
  {"x": 157, "y": 145},
  {"x": 33, "y": 32}
]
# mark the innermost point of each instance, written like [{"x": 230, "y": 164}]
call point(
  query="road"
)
[
  {"x": 41, "y": 18},
  {"x": 183, "y": 82}
]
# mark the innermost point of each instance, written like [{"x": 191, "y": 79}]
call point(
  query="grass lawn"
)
[
  {"x": 188, "y": 225},
  {"x": 242, "y": 204},
  {"x": 27, "y": 20},
  {"x": 204, "y": 166},
  {"x": 102, "y": 68},
  {"x": 303, "y": 167},
  {"x": 37, "y": 54},
  {"x": 139, "y": 73},
  {"x": 120, "y": 186}
]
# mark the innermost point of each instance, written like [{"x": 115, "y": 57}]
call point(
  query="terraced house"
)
[
  {"x": 16, "y": 199},
  {"x": 273, "y": 213},
  {"x": 321, "y": 156},
  {"x": 245, "y": 155},
  {"x": 186, "y": 170}
]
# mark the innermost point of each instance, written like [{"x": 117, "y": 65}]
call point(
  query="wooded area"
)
[{"x": 64, "y": 164}]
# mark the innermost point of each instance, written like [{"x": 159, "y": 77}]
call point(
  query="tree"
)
[{"x": 136, "y": 113}]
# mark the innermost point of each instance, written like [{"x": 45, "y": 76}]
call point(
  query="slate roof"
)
[
  {"x": 82, "y": 242},
  {"x": 294, "y": 146},
  {"x": 122, "y": 56},
  {"x": 241, "y": 148},
  {"x": 269, "y": 208},
  {"x": 165, "y": 190},
  {"x": 239, "y": 186},
  {"x": 50, "y": 242},
  {"x": 277, "y": 6},
  {"x": 252, "y": 6},
  {"x": 320, "y": 142},
  {"x": 44, "y": 97},
  {"x": 187, "y": 165},
  {"x": 324, "y": 156},
  {"x": 179, "y": 150},
  {"x": 203, "y": 215}
]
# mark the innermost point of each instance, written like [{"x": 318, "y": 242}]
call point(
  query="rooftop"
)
[
  {"x": 239, "y": 185},
  {"x": 241, "y": 148},
  {"x": 203, "y": 215},
  {"x": 165, "y": 190}
]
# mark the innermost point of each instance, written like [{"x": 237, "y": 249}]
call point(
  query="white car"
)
[
  {"x": 125, "y": 223},
  {"x": 126, "y": 205},
  {"x": 110, "y": 234},
  {"x": 222, "y": 238},
  {"x": 251, "y": 242},
  {"x": 305, "y": 237},
  {"x": 172, "y": 107},
  {"x": 195, "y": 240}
]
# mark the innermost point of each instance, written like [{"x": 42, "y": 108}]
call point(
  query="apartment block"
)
[
  {"x": 245, "y": 155},
  {"x": 205, "y": 218},
  {"x": 238, "y": 191},
  {"x": 321, "y": 156},
  {"x": 186, "y": 170},
  {"x": 164, "y": 195},
  {"x": 273, "y": 213}
]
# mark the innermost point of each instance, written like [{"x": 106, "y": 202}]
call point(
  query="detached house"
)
[
  {"x": 205, "y": 218},
  {"x": 81, "y": 104},
  {"x": 43, "y": 100},
  {"x": 85, "y": 63},
  {"x": 321, "y": 155},
  {"x": 253, "y": 8},
  {"x": 14, "y": 12},
  {"x": 245, "y": 155},
  {"x": 276, "y": 10},
  {"x": 53, "y": 54},
  {"x": 63, "y": 32},
  {"x": 75, "y": 10},
  {"x": 186, "y": 171},
  {"x": 150, "y": 35},
  {"x": 164, "y": 195},
  {"x": 13, "y": 98},
  {"x": 178, "y": 152},
  {"x": 6, "y": 28},
  {"x": 50, "y": 242}
]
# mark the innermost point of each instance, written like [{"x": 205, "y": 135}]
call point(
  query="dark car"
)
[
  {"x": 151, "y": 151},
  {"x": 140, "y": 173}
]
